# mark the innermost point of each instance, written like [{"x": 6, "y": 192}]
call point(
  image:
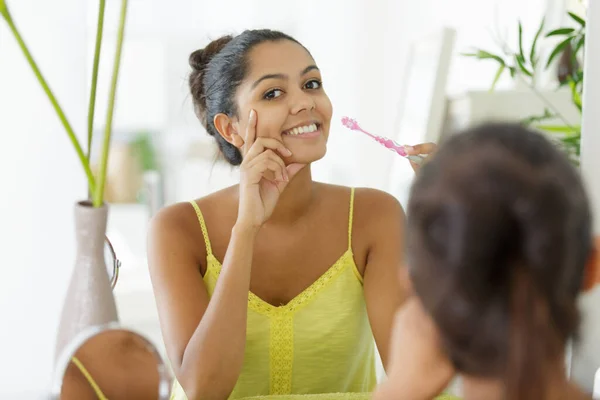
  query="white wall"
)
[
  {"x": 587, "y": 359},
  {"x": 41, "y": 180}
]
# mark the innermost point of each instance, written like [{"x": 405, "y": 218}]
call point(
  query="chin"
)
[{"x": 307, "y": 156}]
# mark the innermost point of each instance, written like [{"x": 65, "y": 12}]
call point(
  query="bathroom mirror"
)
[{"x": 110, "y": 362}]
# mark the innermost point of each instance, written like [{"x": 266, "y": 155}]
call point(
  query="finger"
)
[
  {"x": 291, "y": 171},
  {"x": 250, "y": 131},
  {"x": 422, "y": 148},
  {"x": 270, "y": 155},
  {"x": 271, "y": 168},
  {"x": 261, "y": 144}
]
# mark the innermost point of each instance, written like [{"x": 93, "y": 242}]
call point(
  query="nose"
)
[{"x": 302, "y": 101}]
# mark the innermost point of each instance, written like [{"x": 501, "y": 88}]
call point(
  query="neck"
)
[{"x": 295, "y": 200}]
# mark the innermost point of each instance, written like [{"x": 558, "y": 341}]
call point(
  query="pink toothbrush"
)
[{"x": 386, "y": 142}]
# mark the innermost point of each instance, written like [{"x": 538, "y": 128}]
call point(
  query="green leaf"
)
[
  {"x": 576, "y": 97},
  {"x": 579, "y": 45},
  {"x": 522, "y": 67},
  {"x": 4, "y": 9},
  {"x": 558, "y": 49},
  {"x": 50, "y": 95},
  {"x": 568, "y": 130},
  {"x": 484, "y": 55},
  {"x": 98, "y": 193},
  {"x": 513, "y": 71},
  {"x": 497, "y": 77},
  {"x": 532, "y": 55},
  {"x": 96, "y": 63},
  {"x": 538, "y": 118},
  {"x": 521, "y": 53},
  {"x": 561, "y": 31},
  {"x": 577, "y": 19}
]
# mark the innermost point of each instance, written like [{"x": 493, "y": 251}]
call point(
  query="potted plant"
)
[
  {"x": 526, "y": 65},
  {"x": 89, "y": 300}
]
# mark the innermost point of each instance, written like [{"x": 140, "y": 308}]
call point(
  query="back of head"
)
[
  {"x": 499, "y": 232},
  {"x": 217, "y": 72}
]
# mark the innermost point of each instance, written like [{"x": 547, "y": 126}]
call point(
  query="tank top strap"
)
[
  {"x": 350, "y": 218},
  {"x": 89, "y": 378},
  {"x": 203, "y": 227}
]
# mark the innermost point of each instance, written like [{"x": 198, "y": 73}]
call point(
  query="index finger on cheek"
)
[{"x": 250, "y": 130}]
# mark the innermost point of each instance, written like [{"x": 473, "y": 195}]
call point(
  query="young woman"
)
[
  {"x": 500, "y": 246},
  {"x": 279, "y": 284}
]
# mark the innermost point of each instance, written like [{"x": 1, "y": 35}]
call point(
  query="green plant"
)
[
  {"x": 143, "y": 148},
  {"x": 526, "y": 64},
  {"x": 95, "y": 186}
]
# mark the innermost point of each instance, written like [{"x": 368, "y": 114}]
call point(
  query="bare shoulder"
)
[
  {"x": 376, "y": 208},
  {"x": 182, "y": 216},
  {"x": 374, "y": 202},
  {"x": 178, "y": 225},
  {"x": 369, "y": 204},
  {"x": 375, "y": 212}
]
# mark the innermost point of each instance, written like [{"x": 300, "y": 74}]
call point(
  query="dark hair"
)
[
  {"x": 218, "y": 70},
  {"x": 499, "y": 232}
]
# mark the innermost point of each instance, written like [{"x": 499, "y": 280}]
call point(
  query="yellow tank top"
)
[{"x": 320, "y": 342}]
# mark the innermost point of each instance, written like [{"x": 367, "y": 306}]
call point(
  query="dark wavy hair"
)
[{"x": 499, "y": 233}]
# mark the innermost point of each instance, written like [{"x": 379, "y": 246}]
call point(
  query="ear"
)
[
  {"x": 228, "y": 129},
  {"x": 592, "y": 269}
]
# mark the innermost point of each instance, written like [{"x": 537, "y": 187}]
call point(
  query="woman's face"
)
[{"x": 284, "y": 87}]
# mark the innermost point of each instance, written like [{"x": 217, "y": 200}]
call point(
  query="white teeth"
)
[{"x": 302, "y": 129}]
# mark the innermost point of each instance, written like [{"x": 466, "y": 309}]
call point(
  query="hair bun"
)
[{"x": 199, "y": 59}]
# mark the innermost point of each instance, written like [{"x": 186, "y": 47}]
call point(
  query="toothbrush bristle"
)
[{"x": 350, "y": 123}]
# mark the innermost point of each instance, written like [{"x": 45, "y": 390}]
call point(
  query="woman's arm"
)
[
  {"x": 384, "y": 285},
  {"x": 418, "y": 369},
  {"x": 205, "y": 340}
]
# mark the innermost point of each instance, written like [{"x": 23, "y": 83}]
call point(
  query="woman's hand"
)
[
  {"x": 263, "y": 176},
  {"x": 418, "y": 367},
  {"x": 426, "y": 149}
]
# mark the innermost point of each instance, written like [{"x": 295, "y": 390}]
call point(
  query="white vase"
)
[{"x": 89, "y": 300}]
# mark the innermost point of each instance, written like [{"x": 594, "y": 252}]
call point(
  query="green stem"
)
[
  {"x": 55, "y": 105},
  {"x": 99, "y": 192},
  {"x": 92, "y": 103}
]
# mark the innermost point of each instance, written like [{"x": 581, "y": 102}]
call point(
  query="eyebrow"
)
[{"x": 283, "y": 76}]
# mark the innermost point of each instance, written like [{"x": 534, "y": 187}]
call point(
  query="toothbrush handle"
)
[
  {"x": 418, "y": 159},
  {"x": 392, "y": 145},
  {"x": 399, "y": 149},
  {"x": 395, "y": 147}
]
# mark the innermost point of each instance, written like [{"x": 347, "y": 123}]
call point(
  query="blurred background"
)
[{"x": 394, "y": 65}]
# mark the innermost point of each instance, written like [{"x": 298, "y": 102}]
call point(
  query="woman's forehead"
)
[{"x": 280, "y": 57}]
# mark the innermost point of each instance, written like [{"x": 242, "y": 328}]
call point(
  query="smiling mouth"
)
[{"x": 309, "y": 130}]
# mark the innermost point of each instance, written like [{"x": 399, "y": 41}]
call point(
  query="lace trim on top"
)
[{"x": 257, "y": 304}]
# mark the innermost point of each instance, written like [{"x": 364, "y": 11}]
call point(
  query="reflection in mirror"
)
[{"x": 110, "y": 363}]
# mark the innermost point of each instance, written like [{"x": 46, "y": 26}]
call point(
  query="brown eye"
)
[
  {"x": 272, "y": 94},
  {"x": 313, "y": 84}
]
